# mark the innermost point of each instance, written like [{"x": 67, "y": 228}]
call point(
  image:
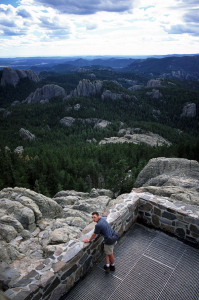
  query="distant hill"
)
[
  {"x": 60, "y": 64},
  {"x": 186, "y": 67}
]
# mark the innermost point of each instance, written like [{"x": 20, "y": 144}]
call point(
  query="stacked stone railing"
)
[{"x": 59, "y": 272}]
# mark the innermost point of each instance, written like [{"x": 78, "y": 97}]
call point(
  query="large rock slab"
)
[
  {"x": 26, "y": 134},
  {"x": 63, "y": 235},
  {"x": 189, "y": 110},
  {"x": 154, "y": 83},
  {"x": 174, "y": 193},
  {"x": 177, "y": 178},
  {"x": 98, "y": 204},
  {"x": 12, "y": 77},
  {"x": 67, "y": 121},
  {"x": 149, "y": 138},
  {"x": 98, "y": 123},
  {"x": 21, "y": 213},
  {"x": 47, "y": 206},
  {"x": 86, "y": 88},
  {"x": 7, "y": 232},
  {"x": 33, "y": 226},
  {"x": 164, "y": 171},
  {"x": 66, "y": 193},
  {"x": 10, "y": 220},
  {"x": 114, "y": 96},
  {"x": 48, "y": 91}
]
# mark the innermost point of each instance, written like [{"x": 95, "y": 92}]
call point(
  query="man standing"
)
[{"x": 110, "y": 236}]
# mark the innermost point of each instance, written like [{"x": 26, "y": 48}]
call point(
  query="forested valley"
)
[{"x": 72, "y": 157}]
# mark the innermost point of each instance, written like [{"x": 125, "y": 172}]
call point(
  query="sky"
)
[{"x": 98, "y": 27}]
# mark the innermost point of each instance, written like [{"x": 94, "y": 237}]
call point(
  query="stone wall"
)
[
  {"x": 63, "y": 269},
  {"x": 175, "y": 218},
  {"x": 59, "y": 272}
]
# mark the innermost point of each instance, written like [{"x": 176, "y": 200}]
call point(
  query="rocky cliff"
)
[
  {"x": 86, "y": 88},
  {"x": 45, "y": 93},
  {"x": 189, "y": 110},
  {"x": 136, "y": 136},
  {"x": 114, "y": 96},
  {"x": 97, "y": 123},
  {"x": 12, "y": 77},
  {"x": 176, "y": 178},
  {"x": 32, "y": 226},
  {"x": 26, "y": 135}
]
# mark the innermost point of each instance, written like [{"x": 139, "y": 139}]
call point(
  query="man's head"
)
[{"x": 95, "y": 216}]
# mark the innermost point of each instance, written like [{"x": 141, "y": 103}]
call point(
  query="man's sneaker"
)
[
  {"x": 112, "y": 268},
  {"x": 107, "y": 269}
]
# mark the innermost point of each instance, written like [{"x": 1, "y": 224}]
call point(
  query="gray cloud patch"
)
[
  {"x": 5, "y": 9},
  {"x": 192, "y": 16},
  {"x": 180, "y": 29},
  {"x": 86, "y": 7},
  {"x": 188, "y": 3},
  {"x": 24, "y": 13},
  {"x": 91, "y": 26},
  {"x": 7, "y": 23},
  {"x": 59, "y": 34},
  {"x": 53, "y": 24},
  {"x": 13, "y": 32}
]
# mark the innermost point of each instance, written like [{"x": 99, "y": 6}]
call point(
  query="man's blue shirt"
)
[{"x": 102, "y": 227}]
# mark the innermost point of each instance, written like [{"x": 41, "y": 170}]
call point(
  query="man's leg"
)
[
  {"x": 108, "y": 259},
  {"x": 112, "y": 258}
]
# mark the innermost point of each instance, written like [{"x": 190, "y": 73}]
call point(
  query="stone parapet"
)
[
  {"x": 59, "y": 272},
  {"x": 178, "y": 219}
]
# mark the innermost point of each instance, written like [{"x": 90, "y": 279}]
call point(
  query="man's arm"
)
[{"x": 91, "y": 238}]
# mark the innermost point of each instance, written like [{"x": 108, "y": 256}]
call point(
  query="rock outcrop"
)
[
  {"x": 156, "y": 94},
  {"x": 5, "y": 113},
  {"x": 12, "y": 77},
  {"x": 33, "y": 226},
  {"x": 154, "y": 83},
  {"x": 136, "y": 87},
  {"x": 189, "y": 110},
  {"x": 86, "y": 88},
  {"x": 98, "y": 123},
  {"x": 26, "y": 135},
  {"x": 45, "y": 93},
  {"x": 67, "y": 121},
  {"x": 163, "y": 171},
  {"x": 19, "y": 150},
  {"x": 136, "y": 137},
  {"x": 177, "y": 178},
  {"x": 113, "y": 96}
]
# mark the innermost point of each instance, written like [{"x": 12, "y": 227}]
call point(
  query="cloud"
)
[
  {"x": 187, "y": 3},
  {"x": 192, "y": 16},
  {"x": 43, "y": 24},
  {"x": 91, "y": 26},
  {"x": 50, "y": 22},
  {"x": 180, "y": 29},
  {"x": 7, "y": 23},
  {"x": 6, "y": 9},
  {"x": 23, "y": 13},
  {"x": 13, "y": 31},
  {"x": 87, "y": 7},
  {"x": 59, "y": 34},
  {"x": 54, "y": 27}
]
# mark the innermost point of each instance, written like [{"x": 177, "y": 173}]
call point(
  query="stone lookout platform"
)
[
  {"x": 150, "y": 265},
  {"x": 157, "y": 257}
]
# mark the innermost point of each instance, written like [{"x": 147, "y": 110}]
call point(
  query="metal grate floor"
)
[{"x": 150, "y": 265}]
